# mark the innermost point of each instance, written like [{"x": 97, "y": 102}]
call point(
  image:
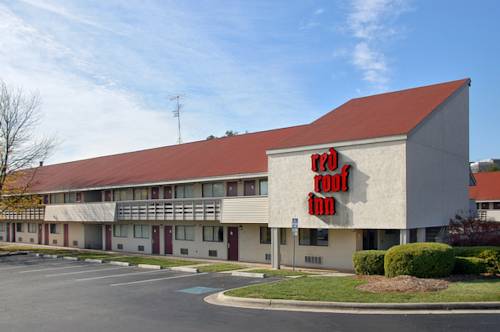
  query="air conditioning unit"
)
[
  {"x": 184, "y": 251},
  {"x": 32, "y": 240},
  {"x": 119, "y": 246},
  {"x": 212, "y": 253},
  {"x": 20, "y": 239},
  {"x": 140, "y": 248},
  {"x": 75, "y": 243},
  {"x": 54, "y": 241},
  {"x": 267, "y": 257},
  {"x": 313, "y": 259}
]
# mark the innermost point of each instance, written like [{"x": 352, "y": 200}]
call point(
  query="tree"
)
[
  {"x": 20, "y": 148},
  {"x": 229, "y": 133}
]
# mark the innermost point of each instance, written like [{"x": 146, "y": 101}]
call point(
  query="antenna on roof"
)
[{"x": 177, "y": 114}]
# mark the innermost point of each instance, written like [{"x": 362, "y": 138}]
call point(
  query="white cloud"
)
[{"x": 371, "y": 24}]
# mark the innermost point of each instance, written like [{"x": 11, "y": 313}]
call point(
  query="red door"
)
[
  {"x": 40, "y": 230},
  {"x": 13, "y": 232},
  {"x": 249, "y": 188},
  {"x": 8, "y": 232},
  {"x": 169, "y": 250},
  {"x": 46, "y": 234},
  {"x": 155, "y": 192},
  {"x": 232, "y": 189},
  {"x": 108, "y": 237},
  {"x": 66, "y": 235},
  {"x": 232, "y": 243},
  {"x": 155, "y": 240},
  {"x": 167, "y": 192}
]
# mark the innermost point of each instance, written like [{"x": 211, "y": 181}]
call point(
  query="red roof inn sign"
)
[{"x": 325, "y": 182}]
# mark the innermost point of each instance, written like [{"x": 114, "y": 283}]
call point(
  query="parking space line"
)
[
  {"x": 17, "y": 267},
  {"x": 85, "y": 271},
  {"x": 53, "y": 268},
  {"x": 157, "y": 279},
  {"x": 121, "y": 275}
]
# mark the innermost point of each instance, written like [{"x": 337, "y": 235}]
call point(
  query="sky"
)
[{"x": 106, "y": 70}]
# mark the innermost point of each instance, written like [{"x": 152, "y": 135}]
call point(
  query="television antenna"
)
[{"x": 177, "y": 114}]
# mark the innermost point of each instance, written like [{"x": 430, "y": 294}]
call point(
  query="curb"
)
[
  {"x": 50, "y": 256},
  {"x": 119, "y": 263},
  {"x": 185, "y": 269},
  {"x": 295, "y": 305},
  {"x": 70, "y": 258},
  {"x": 248, "y": 274},
  {"x": 92, "y": 260},
  {"x": 149, "y": 266}
]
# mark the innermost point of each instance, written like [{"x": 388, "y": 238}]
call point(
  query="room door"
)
[
  {"x": 108, "y": 234},
  {"x": 155, "y": 240},
  {"x": 13, "y": 232},
  {"x": 66, "y": 235},
  {"x": 46, "y": 233},
  {"x": 8, "y": 232},
  {"x": 169, "y": 250},
  {"x": 232, "y": 243},
  {"x": 40, "y": 232}
]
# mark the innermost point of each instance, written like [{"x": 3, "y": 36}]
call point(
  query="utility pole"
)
[{"x": 177, "y": 114}]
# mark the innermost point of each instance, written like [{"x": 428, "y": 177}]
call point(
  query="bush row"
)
[{"x": 427, "y": 260}]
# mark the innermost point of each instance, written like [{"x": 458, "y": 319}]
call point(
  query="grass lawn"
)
[
  {"x": 342, "y": 289},
  {"x": 220, "y": 267},
  {"x": 279, "y": 273}
]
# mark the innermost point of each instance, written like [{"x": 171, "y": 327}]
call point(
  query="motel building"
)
[
  {"x": 485, "y": 193},
  {"x": 375, "y": 172}
]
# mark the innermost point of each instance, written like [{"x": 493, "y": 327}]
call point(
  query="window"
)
[
  {"x": 19, "y": 227},
  {"x": 32, "y": 228},
  {"x": 485, "y": 206},
  {"x": 184, "y": 233},
  {"x": 263, "y": 187},
  {"x": 141, "y": 193},
  {"x": 213, "y": 189},
  {"x": 124, "y": 194},
  {"x": 141, "y": 231},
  {"x": 496, "y": 205},
  {"x": 120, "y": 230},
  {"x": 57, "y": 198},
  {"x": 184, "y": 191},
  {"x": 69, "y": 197},
  {"x": 313, "y": 237},
  {"x": 53, "y": 228},
  {"x": 213, "y": 233},
  {"x": 265, "y": 235}
]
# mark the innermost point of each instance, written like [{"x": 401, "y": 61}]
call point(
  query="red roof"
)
[
  {"x": 361, "y": 118},
  {"x": 386, "y": 114},
  {"x": 487, "y": 186}
]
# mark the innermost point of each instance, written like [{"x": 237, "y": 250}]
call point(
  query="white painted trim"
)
[
  {"x": 163, "y": 183},
  {"x": 338, "y": 144}
]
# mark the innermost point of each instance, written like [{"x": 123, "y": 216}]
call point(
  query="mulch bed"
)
[{"x": 401, "y": 284}]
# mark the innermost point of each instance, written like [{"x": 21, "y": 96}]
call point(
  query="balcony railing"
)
[
  {"x": 170, "y": 209},
  {"x": 36, "y": 213}
]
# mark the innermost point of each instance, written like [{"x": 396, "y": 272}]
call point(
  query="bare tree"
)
[{"x": 20, "y": 148}]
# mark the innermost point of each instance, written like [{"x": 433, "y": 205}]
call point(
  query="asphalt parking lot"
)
[{"x": 41, "y": 294}]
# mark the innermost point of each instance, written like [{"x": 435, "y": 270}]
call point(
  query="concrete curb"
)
[
  {"x": 222, "y": 299},
  {"x": 70, "y": 258},
  {"x": 185, "y": 269},
  {"x": 248, "y": 274},
  {"x": 92, "y": 260},
  {"x": 119, "y": 263},
  {"x": 149, "y": 266},
  {"x": 51, "y": 256}
]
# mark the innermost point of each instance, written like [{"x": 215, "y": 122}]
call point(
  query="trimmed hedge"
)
[
  {"x": 369, "y": 262},
  {"x": 470, "y": 265},
  {"x": 473, "y": 251},
  {"x": 423, "y": 260}
]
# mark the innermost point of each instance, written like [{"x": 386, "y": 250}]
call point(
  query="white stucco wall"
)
[
  {"x": 438, "y": 164},
  {"x": 376, "y": 196}
]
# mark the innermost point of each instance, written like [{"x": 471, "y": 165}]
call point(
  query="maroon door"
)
[
  {"x": 66, "y": 235},
  {"x": 46, "y": 234},
  {"x": 232, "y": 243},
  {"x": 155, "y": 193},
  {"x": 13, "y": 232},
  {"x": 155, "y": 240},
  {"x": 167, "y": 192},
  {"x": 249, "y": 188},
  {"x": 232, "y": 189},
  {"x": 8, "y": 232},
  {"x": 107, "y": 195},
  {"x": 40, "y": 230},
  {"x": 169, "y": 250},
  {"x": 108, "y": 237}
]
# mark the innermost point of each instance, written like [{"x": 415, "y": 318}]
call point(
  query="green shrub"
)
[
  {"x": 470, "y": 265},
  {"x": 423, "y": 260},
  {"x": 492, "y": 259},
  {"x": 369, "y": 262},
  {"x": 473, "y": 251}
]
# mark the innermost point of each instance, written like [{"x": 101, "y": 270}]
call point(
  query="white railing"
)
[
  {"x": 170, "y": 209},
  {"x": 36, "y": 213}
]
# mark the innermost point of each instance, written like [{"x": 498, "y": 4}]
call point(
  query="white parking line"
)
[
  {"x": 85, "y": 271},
  {"x": 53, "y": 268},
  {"x": 17, "y": 267},
  {"x": 157, "y": 279},
  {"x": 121, "y": 275}
]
